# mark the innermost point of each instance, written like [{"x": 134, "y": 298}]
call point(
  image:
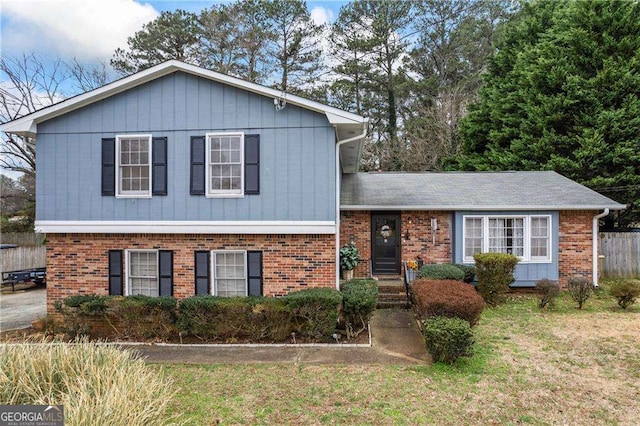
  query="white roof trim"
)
[
  {"x": 27, "y": 125},
  {"x": 485, "y": 208},
  {"x": 184, "y": 227}
]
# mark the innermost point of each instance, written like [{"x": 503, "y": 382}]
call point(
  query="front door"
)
[{"x": 385, "y": 243}]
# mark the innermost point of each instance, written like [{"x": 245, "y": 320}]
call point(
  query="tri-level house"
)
[{"x": 181, "y": 181}]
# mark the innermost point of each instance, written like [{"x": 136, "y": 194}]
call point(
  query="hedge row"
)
[{"x": 307, "y": 314}]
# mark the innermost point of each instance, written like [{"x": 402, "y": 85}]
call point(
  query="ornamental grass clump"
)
[
  {"x": 495, "y": 273},
  {"x": 625, "y": 291},
  {"x": 96, "y": 384}
]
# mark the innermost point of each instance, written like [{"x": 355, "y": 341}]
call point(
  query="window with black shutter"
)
[{"x": 202, "y": 270}]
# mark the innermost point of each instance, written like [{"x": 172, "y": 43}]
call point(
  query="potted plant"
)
[
  {"x": 349, "y": 258},
  {"x": 412, "y": 267}
]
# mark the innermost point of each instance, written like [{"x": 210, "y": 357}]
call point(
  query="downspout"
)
[
  {"x": 338, "y": 168},
  {"x": 594, "y": 232}
]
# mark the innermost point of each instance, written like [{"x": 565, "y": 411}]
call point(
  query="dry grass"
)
[
  {"x": 97, "y": 385},
  {"x": 531, "y": 367}
]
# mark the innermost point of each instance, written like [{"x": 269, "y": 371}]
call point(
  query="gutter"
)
[
  {"x": 365, "y": 129},
  {"x": 594, "y": 235}
]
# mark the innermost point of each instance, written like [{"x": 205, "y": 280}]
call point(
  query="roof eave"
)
[
  {"x": 28, "y": 125},
  {"x": 482, "y": 208}
]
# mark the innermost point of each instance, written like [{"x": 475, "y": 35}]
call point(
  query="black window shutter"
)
[
  {"x": 115, "y": 272},
  {"x": 202, "y": 273},
  {"x": 165, "y": 272},
  {"x": 197, "y": 165},
  {"x": 108, "y": 166},
  {"x": 252, "y": 164},
  {"x": 159, "y": 166},
  {"x": 254, "y": 272}
]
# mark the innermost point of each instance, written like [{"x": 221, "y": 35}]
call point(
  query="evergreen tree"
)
[
  {"x": 296, "y": 48},
  {"x": 172, "y": 35},
  {"x": 562, "y": 94}
]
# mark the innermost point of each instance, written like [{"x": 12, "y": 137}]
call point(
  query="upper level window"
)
[
  {"x": 528, "y": 237},
  {"x": 225, "y": 171},
  {"x": 133, "y": 154}
]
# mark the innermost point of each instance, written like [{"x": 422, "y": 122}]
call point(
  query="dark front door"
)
[{"x": 385, "y": 242}]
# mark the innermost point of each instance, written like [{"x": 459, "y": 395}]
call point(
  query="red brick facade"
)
[
  {"x": 356, "y": 226},
  {"x": 77, "y": 263},
  {"x": 575, "y": 251}
]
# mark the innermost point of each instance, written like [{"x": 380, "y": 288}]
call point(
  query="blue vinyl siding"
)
[
  {"x": 297, "y": 173},
  {"x": 526, "y": 273}
]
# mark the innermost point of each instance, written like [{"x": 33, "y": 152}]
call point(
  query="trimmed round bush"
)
[
  {"x": 315, "y": 311},
  {"x": 625, "y": 291},
  {"x": 469, "y": 272},
  {"x": 359, "y": 300},
  {"x": 441, "y": 271},
  {"x": 447, "y": 298},
  {"x": 447, "y": 339},
  {"x": 495, "y": 275}
]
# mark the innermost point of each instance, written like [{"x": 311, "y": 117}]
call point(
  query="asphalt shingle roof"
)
[{"x": 544, "y": 190}]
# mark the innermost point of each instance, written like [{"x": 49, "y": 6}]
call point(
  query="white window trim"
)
[
  {"x": 527, "y": 258},
  {"x": 214, "y": 286},
  {"x": 118, "y": 177},
  {"x": 223, "y": 193},
  {"x": 127, "y": 286}
]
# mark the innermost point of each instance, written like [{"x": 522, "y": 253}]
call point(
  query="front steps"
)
[{"x": 391, "y": 293}]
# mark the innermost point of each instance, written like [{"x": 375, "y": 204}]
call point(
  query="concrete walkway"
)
[{"x": 396, "y": 340}]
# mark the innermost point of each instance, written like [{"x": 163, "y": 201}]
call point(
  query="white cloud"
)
[
  {"x": 81, "y": 28},
  {"x": 321, "y": 15}
]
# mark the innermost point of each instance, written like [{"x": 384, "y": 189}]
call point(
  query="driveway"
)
[{"x": 19, "y": 309}]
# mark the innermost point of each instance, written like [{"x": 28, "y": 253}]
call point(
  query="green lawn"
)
[{"x": 562, "y": 366}]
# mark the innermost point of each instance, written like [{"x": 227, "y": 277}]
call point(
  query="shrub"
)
[
  {"x": 443, "y": 271},
  {"x": 495, "y": 274},
  {"x": 469, "y": 272},
  {"x": 315, "y": 311},
  {"x": 142, "y": 317},
  {"x": 213, "y": 318},
  {"x": 91, "y": 382},
  {"x": 625, "y": 291},
  {"x": 580, "y": 289},
  {"x": 132, "y": 317},
  {"x": 447, "y": 339},
  {"x": 270, "y": 319},
  {"x": 359, "y": 300},
  {"x": 547, "y": 292},
  {"x": 446, "y": 298}
]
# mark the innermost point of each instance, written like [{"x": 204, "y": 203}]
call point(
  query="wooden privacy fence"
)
[
  {"x": 621, "y": 252},
  {"x": 22, "y": 239},
  {"x": 20, "y": 258}
]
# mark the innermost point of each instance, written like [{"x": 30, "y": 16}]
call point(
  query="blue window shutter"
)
[
  {"x": 165, "y": 272},
  {"x": 115, "y": 273},
  {"x": 159, "y": 166},
  {"x": 108, "y": 166},
  {"x": 254, "y": 272},
  {"x": 198, "y": 159},
  {"x": 202, "y": 270},
  {"x": 252, "y": 164}
]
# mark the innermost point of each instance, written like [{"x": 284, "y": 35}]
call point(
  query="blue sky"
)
[{"x": 92, "y": 29}]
